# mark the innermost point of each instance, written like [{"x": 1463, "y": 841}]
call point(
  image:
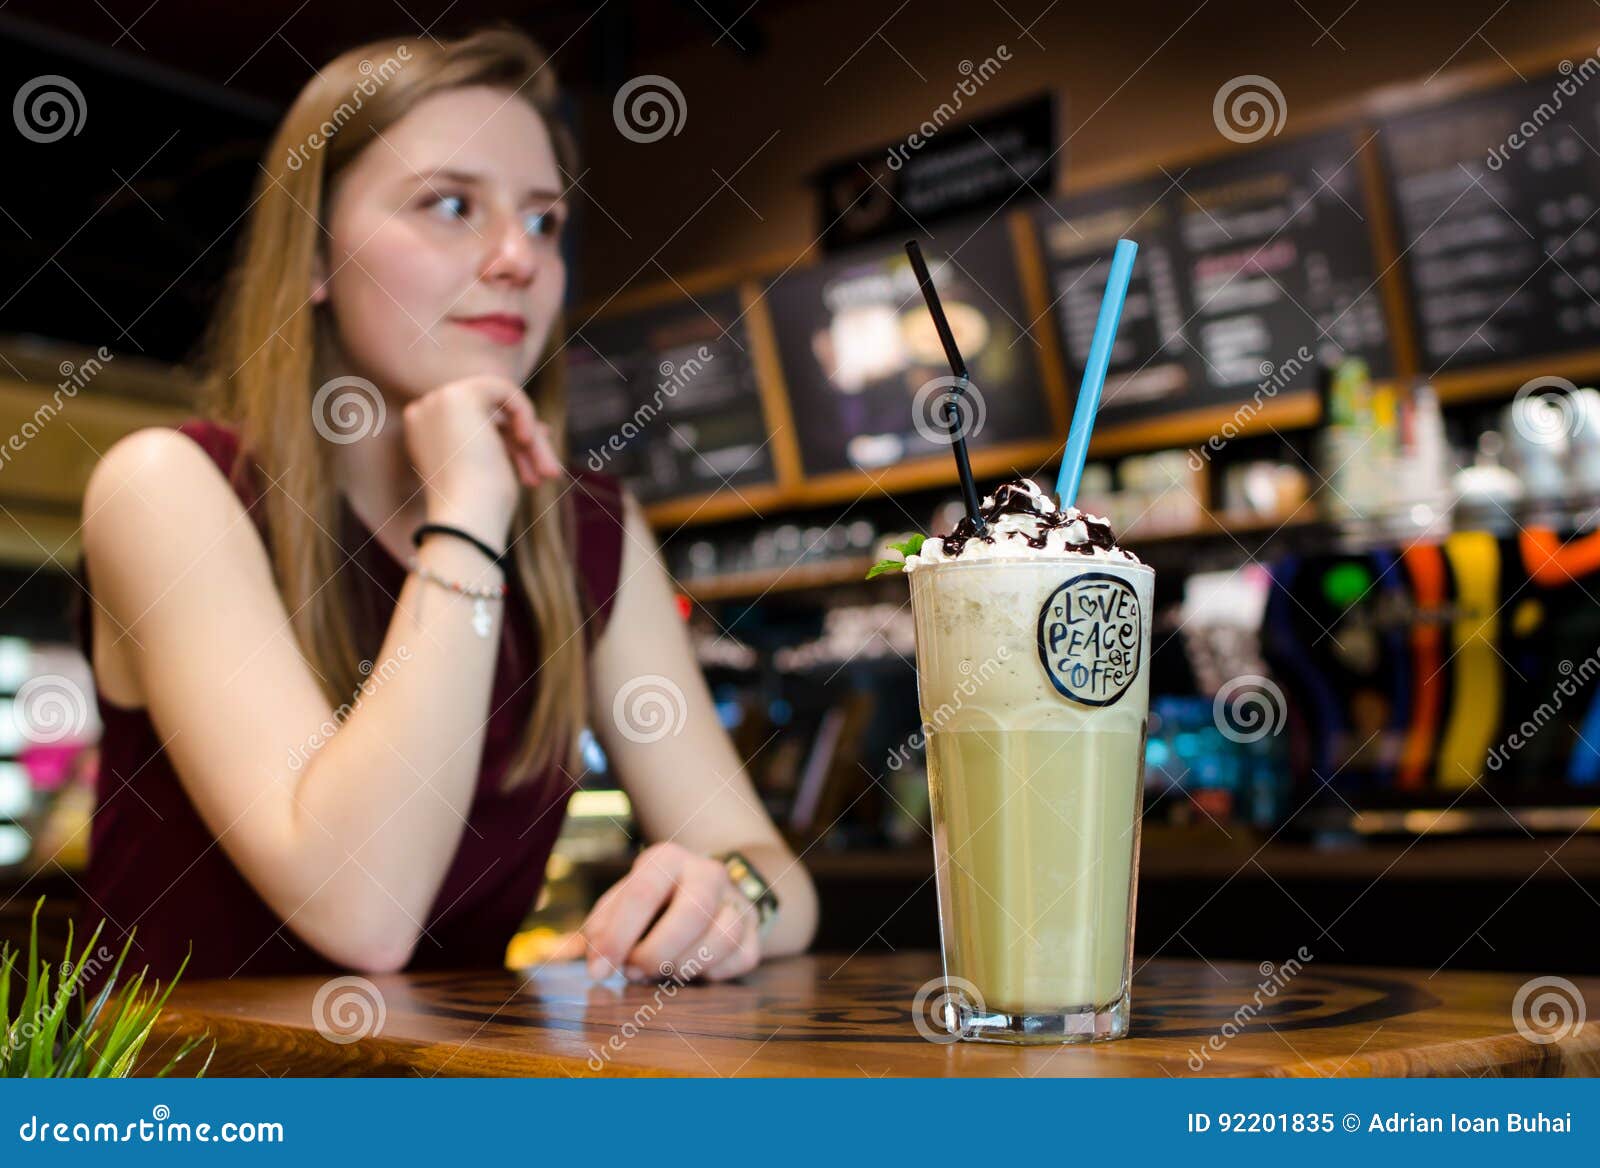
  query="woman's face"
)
[{"x": 442, "y": 256}]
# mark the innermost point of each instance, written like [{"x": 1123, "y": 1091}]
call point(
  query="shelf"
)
[
  {"x": 752, "y": 585},
  {"x": 1213, "y": 525},
  {"x": 853, "y": 569},
  {"x": 1174, "y": 853}
]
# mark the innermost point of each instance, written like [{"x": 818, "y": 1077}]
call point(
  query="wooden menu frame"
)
[{"x": 1299, "y": 409}]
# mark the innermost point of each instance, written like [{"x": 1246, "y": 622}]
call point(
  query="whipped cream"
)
[{"x": 1022, "y": 522}]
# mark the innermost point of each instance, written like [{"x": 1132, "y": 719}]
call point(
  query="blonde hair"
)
[{"x": 266, "y": 341}]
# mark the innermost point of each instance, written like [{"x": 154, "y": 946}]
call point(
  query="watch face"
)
[{"x": 751, "y": 885}]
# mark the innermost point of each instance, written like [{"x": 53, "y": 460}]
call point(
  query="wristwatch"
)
[{"x": 754, "y": 887}]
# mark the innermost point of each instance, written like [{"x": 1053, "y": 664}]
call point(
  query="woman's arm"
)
[
  {"x": 350, "y": 845},
  {"x": 689, "y": 792}
]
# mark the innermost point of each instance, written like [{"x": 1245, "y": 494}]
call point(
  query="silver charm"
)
[{"x": 481, "y": 621}]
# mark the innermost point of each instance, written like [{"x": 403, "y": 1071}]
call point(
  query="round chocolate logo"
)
[{"x": 1090, "y": 635}]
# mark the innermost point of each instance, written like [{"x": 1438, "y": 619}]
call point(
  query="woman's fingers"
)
[
  {"x": 544, "y": 449},
  {"x": 695, "y": 902},
  {"x": 621, "y": 916},
  {"x": 527, "y": 438},
  {"x": 727, "y": 948},
  {"x": 746, "y": 955}
]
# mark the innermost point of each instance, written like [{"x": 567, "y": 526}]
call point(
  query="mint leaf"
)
[{"x": 909, "y": 547}]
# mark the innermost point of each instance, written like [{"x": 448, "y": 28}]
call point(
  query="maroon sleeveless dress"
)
[{"x": 154, "y": 866}]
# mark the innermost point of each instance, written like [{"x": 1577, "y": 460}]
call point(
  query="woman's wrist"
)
[
  {"x": 457, "y": 559},
  {"x": 488, "y": 523}
]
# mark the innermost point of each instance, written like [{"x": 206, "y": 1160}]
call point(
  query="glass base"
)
[{"x": 1083, "y": 1024}]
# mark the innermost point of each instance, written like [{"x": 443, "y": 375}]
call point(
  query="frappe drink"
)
[{"x": 1033, "y": 648}]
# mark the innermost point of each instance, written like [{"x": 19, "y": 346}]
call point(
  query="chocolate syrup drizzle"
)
[{"x": 1015, "y": 499}]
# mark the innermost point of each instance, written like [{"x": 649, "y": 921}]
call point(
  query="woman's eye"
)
[
  {"x": 448, "y": 207},
  {"x": 546, "y": 223}
]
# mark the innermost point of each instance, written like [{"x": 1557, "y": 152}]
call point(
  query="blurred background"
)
[{"x": 1349, "y": 419}]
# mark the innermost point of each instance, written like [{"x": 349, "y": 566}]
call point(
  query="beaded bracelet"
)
[{"x": 480, "y": 594}]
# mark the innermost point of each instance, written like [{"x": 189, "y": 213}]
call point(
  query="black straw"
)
[{"x": 952, "y": 411}]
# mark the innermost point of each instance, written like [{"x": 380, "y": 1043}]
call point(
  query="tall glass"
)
[{"x": 1033, "y": 679}]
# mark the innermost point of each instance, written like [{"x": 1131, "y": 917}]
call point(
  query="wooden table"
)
[{"x": 832, "y": 1014}]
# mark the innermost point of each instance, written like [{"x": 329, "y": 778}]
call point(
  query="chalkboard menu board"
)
[
  {"x": 1251, "y": 270},
  {"x": 862, "y": 361},
  {"x": 1496, "y": 198},
  {"x": 667, "y": 398}
]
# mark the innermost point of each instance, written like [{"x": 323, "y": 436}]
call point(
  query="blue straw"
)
[{"x": 1094, "y": 372}]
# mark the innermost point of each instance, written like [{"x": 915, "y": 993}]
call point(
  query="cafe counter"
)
[{"x": 827, "y": 1014}]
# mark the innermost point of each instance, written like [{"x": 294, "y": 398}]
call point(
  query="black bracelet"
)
[{"x": 501, "y": 559}]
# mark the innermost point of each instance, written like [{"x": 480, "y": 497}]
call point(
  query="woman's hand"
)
[
  {"x": 473, "y": 442},
  {"x": 709, "y": 928}
]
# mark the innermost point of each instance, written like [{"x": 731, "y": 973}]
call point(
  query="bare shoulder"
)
[
  {"x": 155, "y": 461},
  {"x": 155, "y": 505}
]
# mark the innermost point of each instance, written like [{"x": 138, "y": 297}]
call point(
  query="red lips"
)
[{"x": 500, "y": 327}]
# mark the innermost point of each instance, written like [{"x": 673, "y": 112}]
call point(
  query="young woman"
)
[{"x": 347, "y": 630}]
